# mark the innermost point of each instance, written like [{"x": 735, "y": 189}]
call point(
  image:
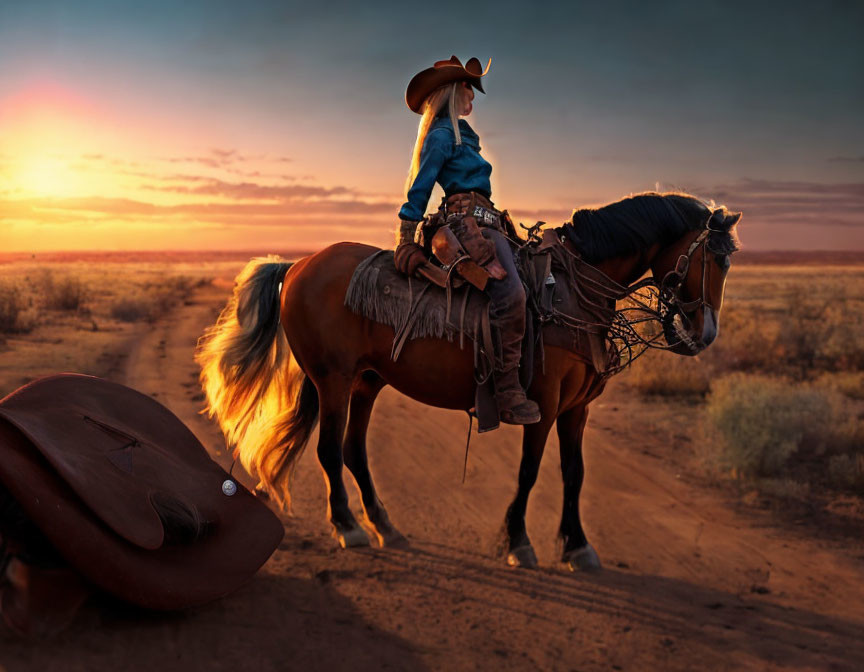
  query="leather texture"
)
[
  {"x": 93, "y": 464},
  {"x": 408, "y": 257}
]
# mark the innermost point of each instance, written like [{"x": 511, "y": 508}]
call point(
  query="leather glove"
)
[{"x": 409, "y": 255}]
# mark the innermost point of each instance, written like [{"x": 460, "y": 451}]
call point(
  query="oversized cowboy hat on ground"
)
[
  {"x": 103, "y": 487},
  {"x": 443, "y": 72}
]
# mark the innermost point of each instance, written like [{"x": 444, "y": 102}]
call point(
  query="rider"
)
[{"x": 447, "y": 151}]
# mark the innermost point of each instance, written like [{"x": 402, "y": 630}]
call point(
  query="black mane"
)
[{"x": 633, "y": 224}]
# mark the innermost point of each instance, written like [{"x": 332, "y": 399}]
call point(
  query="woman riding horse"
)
[
  {"x": 287, "y": 353},
  {"x": 447, "y": 151}
]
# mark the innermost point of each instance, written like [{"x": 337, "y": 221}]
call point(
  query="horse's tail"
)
[{"x": 264, "y": 403}]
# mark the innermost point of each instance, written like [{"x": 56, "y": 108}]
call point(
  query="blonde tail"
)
[{"x": 264, "y": 403}]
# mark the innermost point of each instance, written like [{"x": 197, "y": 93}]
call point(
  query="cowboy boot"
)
[{"x": 514, "y": 408}]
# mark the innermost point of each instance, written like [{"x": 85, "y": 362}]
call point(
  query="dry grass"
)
[
  {"x": 659, "y": 373},
  {"x": 765, "y": 424},
  {"x": 801, "y": 323},
  {"x": 148, "y": 302},
  {"x": 66, "y": 292},
  {"x": 79, "y": 316},
  {"x": 784, "y": 383}
]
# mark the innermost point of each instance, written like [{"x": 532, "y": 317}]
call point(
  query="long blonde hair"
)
[{"x": 448, "y": 94}]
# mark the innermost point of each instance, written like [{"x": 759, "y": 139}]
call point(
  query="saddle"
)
[
  {"x": 102, "y": 486},
  {"x": 452, "y": 236},
  {"x": 417, "y": 308}
]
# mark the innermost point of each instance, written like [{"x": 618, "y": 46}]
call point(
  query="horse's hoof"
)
[
  {"x": 582, "y": 559},
  {"x": 353, "y": 538},
  {"x": 523, "y": 556}
]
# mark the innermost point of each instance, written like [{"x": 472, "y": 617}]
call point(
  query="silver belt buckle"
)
[{"x": 484, "y": 215}]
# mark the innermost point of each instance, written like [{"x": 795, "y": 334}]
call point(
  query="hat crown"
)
[
  {"x": 452, "y": 61},
  {"x": 440, "y": 74}
]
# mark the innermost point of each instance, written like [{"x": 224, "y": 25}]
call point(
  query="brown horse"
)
[{"x": 267, "y": 380}]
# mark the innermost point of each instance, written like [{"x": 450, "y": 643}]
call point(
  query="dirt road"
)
[{"x": 687, "y": 584}]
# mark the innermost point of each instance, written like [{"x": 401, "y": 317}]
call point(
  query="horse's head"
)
[{"x": 692, "y": 273}]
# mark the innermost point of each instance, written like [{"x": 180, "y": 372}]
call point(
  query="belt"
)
[{"x": 474, "y": 204}]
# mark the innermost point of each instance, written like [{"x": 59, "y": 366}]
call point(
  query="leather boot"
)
[{"x": 514, "y": 408}]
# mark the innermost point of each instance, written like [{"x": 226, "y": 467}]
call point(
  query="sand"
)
[{"x": 688, "y": 582}]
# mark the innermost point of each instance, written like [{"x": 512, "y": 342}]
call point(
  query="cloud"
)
[
  {"x": 247, "y": 214},
  {"x": 223, "y": 158},
  {"x": 779, "y": 202},
  {"x": 846, "y": 159},
  {"x": 256, "y": 191}
]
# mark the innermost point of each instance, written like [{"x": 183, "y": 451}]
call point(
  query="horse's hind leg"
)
[
  {"x": 363, "y": 396},
  {"x": 333, "y": 394}
]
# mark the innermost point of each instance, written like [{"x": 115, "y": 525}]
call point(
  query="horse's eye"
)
[{"x": 723, "y": 261}]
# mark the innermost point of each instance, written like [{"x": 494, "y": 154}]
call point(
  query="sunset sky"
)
[{"x": 255, "y": 125}]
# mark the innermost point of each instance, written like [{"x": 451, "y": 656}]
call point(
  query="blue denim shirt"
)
[{"x": 455, "y": 167}]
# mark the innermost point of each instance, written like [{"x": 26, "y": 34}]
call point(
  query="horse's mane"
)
[{"x": 634, "y": 223}]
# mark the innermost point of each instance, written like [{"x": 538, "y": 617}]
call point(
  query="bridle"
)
[
  {"x": 670, "y": 286},
  {"x": 645, "y": 301}
]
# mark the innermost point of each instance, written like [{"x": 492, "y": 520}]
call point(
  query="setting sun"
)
[{"x": 46, "y": 176}]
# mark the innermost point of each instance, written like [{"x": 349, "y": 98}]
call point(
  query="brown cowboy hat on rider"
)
[{"x": 443, "y": 72}]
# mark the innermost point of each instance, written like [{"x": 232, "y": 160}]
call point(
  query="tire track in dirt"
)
[{"x": 675, "y": 593}]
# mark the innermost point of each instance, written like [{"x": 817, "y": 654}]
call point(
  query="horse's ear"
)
[
  {"x": 716, "y": 221},
  {"x": 731, "y": 219}
]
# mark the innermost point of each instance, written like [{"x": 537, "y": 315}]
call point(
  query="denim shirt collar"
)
[{"x": 468, "y": 135}]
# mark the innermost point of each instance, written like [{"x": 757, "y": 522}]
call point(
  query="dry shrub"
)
[
  {"x": 745, "y": 343},
  {"x": 795, "y": 330},
  {"x": 761, "y": 423},
  {"x": 10, "y": 308},
  {"x": 67, "y": 293},
  {"x": 847, "y": 383},
  {"x": 152, "y": 300},
  {"x": 132, "y": 309},
  {"x": 16, "y": 315},
  {"x": 847, "y": 471},
  {"x": 784, "y": 488},
  {"x": 666, "y": 374}
]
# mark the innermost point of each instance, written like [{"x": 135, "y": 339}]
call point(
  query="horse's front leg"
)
[
  {"x": 520, "y": 553},
  {"x": 578, "y": 553}
]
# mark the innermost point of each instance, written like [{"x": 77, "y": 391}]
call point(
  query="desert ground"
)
[{"x": 704, "y": 568}]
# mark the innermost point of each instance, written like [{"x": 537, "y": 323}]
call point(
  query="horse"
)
[{"x": 286, "y": 353}]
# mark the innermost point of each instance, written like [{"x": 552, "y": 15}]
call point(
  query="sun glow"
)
[{"x": 44, "y": 176}]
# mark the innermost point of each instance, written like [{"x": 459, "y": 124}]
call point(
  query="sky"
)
[{"x": 282, "y": 125}]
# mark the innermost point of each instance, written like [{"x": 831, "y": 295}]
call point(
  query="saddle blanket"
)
[
  {"x": 382, "y": 294},
  {"x": 379, "y": 292}
]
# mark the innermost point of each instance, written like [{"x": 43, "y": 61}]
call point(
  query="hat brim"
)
[{"x": 426, "y": 81}]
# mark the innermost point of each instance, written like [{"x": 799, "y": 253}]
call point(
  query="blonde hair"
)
[{"x": 449, "y": 94}]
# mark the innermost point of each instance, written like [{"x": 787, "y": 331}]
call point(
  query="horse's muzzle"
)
[{"x": 686, "y": 338}]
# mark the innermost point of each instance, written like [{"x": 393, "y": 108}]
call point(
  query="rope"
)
[
  {"x": 622, "y": 328},
  {"x": 467, "y": 444}
]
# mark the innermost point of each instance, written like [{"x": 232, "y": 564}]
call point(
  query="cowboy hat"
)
[
  {"x": 127, "y": 495},
  {"x": 443, "y": 72}
]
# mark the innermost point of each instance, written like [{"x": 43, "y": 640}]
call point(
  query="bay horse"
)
[{"x": 278, "y": 360}]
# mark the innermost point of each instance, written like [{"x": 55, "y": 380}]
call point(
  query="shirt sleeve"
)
[{"x": 435, "y": 152}]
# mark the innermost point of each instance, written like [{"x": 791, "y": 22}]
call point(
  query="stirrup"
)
[{"x": 523, "y": 413}]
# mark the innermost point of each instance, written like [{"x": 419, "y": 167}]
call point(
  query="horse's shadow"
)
[
  {"x": 274, "y": 623},
  {"x": 718, "y": 622}
]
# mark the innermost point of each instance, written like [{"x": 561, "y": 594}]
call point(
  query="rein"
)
[{"x": 624, "y": 329}]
